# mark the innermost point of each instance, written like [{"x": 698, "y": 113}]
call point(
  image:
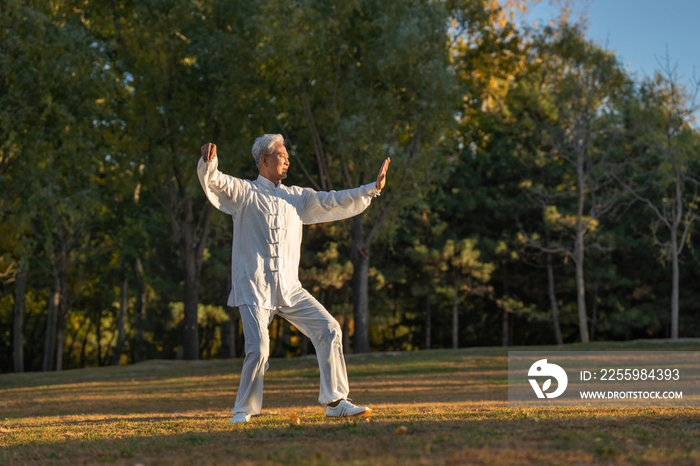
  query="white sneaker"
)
[
  {"x": 345, "y": 408},
  {"x": 240, "y": 417}
]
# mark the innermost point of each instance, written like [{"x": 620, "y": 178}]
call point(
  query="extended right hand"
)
[{"x": 208, "y": 152}]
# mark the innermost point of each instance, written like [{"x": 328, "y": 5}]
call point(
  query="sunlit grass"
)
[{"x": 452, "y": 404}]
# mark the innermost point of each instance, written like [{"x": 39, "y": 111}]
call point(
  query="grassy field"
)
[{"x": 452, "y": 405}]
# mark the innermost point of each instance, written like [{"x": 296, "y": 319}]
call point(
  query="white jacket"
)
[{"x": 267, "y": 228}]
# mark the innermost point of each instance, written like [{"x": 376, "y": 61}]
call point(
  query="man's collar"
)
[{"x": 267, "y": 183}]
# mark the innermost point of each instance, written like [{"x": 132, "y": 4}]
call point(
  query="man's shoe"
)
[
  {"x": 345, "y": 408},
  {"x": 240, "y": 417}
]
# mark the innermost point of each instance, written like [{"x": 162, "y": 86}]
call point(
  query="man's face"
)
[{"x": 277, "y": 162}]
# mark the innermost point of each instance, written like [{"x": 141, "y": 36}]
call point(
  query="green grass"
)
[{"x": 452, "y": 403}]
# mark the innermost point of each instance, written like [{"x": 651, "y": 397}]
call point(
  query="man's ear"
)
[{"x": 264, "y": 160}]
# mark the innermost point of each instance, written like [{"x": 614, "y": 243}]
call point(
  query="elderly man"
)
[{"x": 267, "y": 226}]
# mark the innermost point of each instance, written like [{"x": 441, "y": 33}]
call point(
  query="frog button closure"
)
[{"x": 275, "y": 221}]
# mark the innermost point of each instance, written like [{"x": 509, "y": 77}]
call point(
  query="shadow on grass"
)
[
  {"x": 108, "y": 420},
  {"x": 546, "y": 434}
]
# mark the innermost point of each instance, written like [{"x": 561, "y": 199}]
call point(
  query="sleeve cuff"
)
[
  {"x": 208, "y": 166},
  {"x": 370, "y": 190}
]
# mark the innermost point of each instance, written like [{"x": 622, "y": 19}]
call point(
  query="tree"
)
[
  {"x": 456, "y": 272},
  {"x": 484, "y": 194},
  {"x": 663, "y": 165},
  {"x": 185, "y": 64},
  {"x": 18, "y": 316},
  {"x": 579, "y": 84},
  {"x": 48, "y": 156},
  {"x": 353, "y": 83}
]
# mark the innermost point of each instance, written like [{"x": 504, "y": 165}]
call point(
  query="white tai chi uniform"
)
[{"x": 267, "y": 228}]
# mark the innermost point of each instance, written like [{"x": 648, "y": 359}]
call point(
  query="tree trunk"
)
[
  {"x": 455, "y": 320},
  {"x": 84, "y": 345},
  {"x": 62, "y": 313},
  {"x": 346, "y": 320},
  {"x": 304, "y": 350},
  {"x": 140, "y": 310},
  {"x": 346, "y": 335},
  {"x": 511, "y": 328},
  {"x": 228, "y": 328},
  {"x": 191, "y": 330},
  {"x": 428, "y": 323},
  {"x": 553, "y": 301},
  {"x": 394, "y": 326},
  {"x": 98, "y": 335},
  {"x": 674, "y": 289},
  {"x": 505, "y": 317},
  {"x": 359, "y": 256},
  {"x": 228, "y": 335},
  {"x": 18, "y": 318},
  {"x": 209, "y": 332},
  {"x": 123, "y": 302},
  {"x": 578, "y": 250},
  {"x": 192, "y": 251},
  {"x": 581, "y": 292},
  {"x": 49, "y": 344},
  {"x": 675, "y": 220},
  {"x": 594, "y": 314},
  {"x": 234, "y": 335},
  {"x": 283, "y": 341}
]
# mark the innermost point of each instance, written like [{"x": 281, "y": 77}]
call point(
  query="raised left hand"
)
[
  {"x": 381, "y": 178},
  {"x": 208, "y": 151}
]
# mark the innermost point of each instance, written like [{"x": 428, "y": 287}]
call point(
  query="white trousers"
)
[{"x": 314, "y": 321}]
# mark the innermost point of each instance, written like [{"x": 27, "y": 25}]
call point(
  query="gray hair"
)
[{"x": 264, "y": 144}]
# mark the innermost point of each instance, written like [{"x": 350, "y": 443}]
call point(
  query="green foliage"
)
[
  {"x": 206, "y": 314},
  {"x": 103, "y": 108}
]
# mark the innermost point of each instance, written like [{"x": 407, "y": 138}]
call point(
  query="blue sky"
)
[{"x": 640, "y": 30}]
